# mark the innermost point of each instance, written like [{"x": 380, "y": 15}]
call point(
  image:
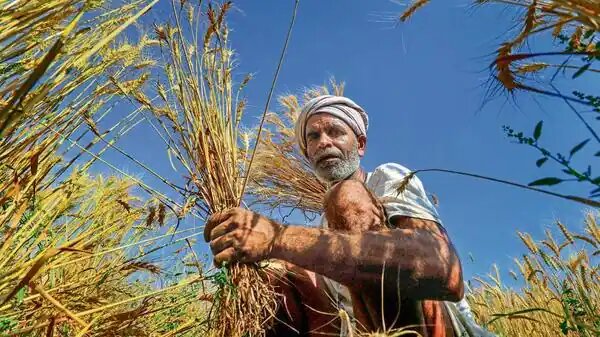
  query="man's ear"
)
[{"x": 362, "y": 144}]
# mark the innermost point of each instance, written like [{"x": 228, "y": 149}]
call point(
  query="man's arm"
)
[{"x": 417, "y": 256}]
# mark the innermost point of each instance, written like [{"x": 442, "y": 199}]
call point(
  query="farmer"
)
[{"x": 381, "y": 254}]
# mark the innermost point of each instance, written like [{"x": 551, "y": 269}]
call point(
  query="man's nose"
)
[{"x": 324, "y": 141}]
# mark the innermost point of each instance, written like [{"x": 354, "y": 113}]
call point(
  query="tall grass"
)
[
  {"x": 76, "y": 250},
  {"x": 559, "y": 292},
  {"x": 75, "y": 262}
]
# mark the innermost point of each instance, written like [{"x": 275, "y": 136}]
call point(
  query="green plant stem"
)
[
  {"x": 587, "y": 125},
  {"x": 549, "y": 155},
  {"x": 581, "y": 200}
]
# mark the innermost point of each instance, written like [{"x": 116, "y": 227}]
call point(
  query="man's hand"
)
[{"x": 240, "y": 235}]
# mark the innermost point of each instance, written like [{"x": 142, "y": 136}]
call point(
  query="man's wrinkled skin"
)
[{"x": 419, "y": 261}]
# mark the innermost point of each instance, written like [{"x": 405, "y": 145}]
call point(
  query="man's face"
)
[{"x": 333, "y": 149}]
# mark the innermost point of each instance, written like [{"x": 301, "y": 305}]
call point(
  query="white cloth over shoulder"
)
[{"x": 412, "y": 202}]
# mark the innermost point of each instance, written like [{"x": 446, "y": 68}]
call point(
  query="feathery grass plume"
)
[
  {"x": 531, "y": 68},
  {"x": 401, "y": 186},
  {"x": 529, "y": 23},
  {"x": 560, "y": 293},
  {"x": 565, "y": 232},
  {"x": 574, "y": 22},
  {"x": 543, "y": 16},
  {"x": 528, "y": 241}
]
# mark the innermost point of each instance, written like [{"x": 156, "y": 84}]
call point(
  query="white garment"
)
[{"x": 383, "y": 182}]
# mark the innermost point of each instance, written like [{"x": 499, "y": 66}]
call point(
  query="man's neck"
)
[{"x": 359, "y": 175}]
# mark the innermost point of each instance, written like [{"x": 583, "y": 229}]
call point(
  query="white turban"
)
[{"x": 338, "y": 106}]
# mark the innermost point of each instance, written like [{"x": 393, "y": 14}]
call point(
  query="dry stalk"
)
[{"x": 408, "y": 13}]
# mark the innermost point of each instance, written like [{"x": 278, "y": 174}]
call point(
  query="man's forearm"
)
[{"x": 412, "y": 258}]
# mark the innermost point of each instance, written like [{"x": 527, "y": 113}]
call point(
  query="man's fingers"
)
[
  {"x": 222, "y": 229},
  {"x": 214, "y": 221},
  {"x": 221, "y": 243},
  {"x": 228, "y": 255}
]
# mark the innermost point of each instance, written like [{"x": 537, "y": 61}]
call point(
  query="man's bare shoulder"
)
[{"x": 408, "y": 222}]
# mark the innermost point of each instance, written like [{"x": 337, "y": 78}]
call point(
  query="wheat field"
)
[{"x": 89, "y": 254}]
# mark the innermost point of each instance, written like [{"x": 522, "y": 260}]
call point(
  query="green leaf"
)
[
  {"x": 588, "y": 34},
  {"x": 564, "y": 327},
  {"x": 549, "y": 181},
  {"x": 21, "y": 295},
  {"x": 578, "y": 147},
  {"x": 102, "y": 279},
  {"x": 581, "y": 70},
  {"x": 538, "y": 130},
  {"x": 520, "y": 312},
  {"x": 6, "y": 324},
  {"x": 541, "y": 162}
]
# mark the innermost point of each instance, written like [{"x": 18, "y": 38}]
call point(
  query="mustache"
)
[{"x": 329, "y": 152}]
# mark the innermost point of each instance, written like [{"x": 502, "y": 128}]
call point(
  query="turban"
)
[{"x": 338, "y": 106}]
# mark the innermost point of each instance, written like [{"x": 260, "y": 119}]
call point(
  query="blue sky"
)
[{"x": 422, "y": 84}]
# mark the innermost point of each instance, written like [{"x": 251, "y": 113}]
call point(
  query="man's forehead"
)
[{"x": 324, "y": 119}]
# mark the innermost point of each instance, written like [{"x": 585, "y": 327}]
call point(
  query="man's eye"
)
[
  {"x": 312, "y": 136},
  {"x": 336, "y": 132}
]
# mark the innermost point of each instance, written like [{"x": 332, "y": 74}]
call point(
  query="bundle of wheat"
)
[
  {"x": 282, "y": 176},
  {"x": 199, "y": 116}
]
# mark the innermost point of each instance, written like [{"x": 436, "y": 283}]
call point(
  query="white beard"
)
[{"x": 340, "y": 170}]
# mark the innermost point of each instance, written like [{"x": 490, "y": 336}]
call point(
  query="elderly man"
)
[{"x": 381, "y": 254}]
